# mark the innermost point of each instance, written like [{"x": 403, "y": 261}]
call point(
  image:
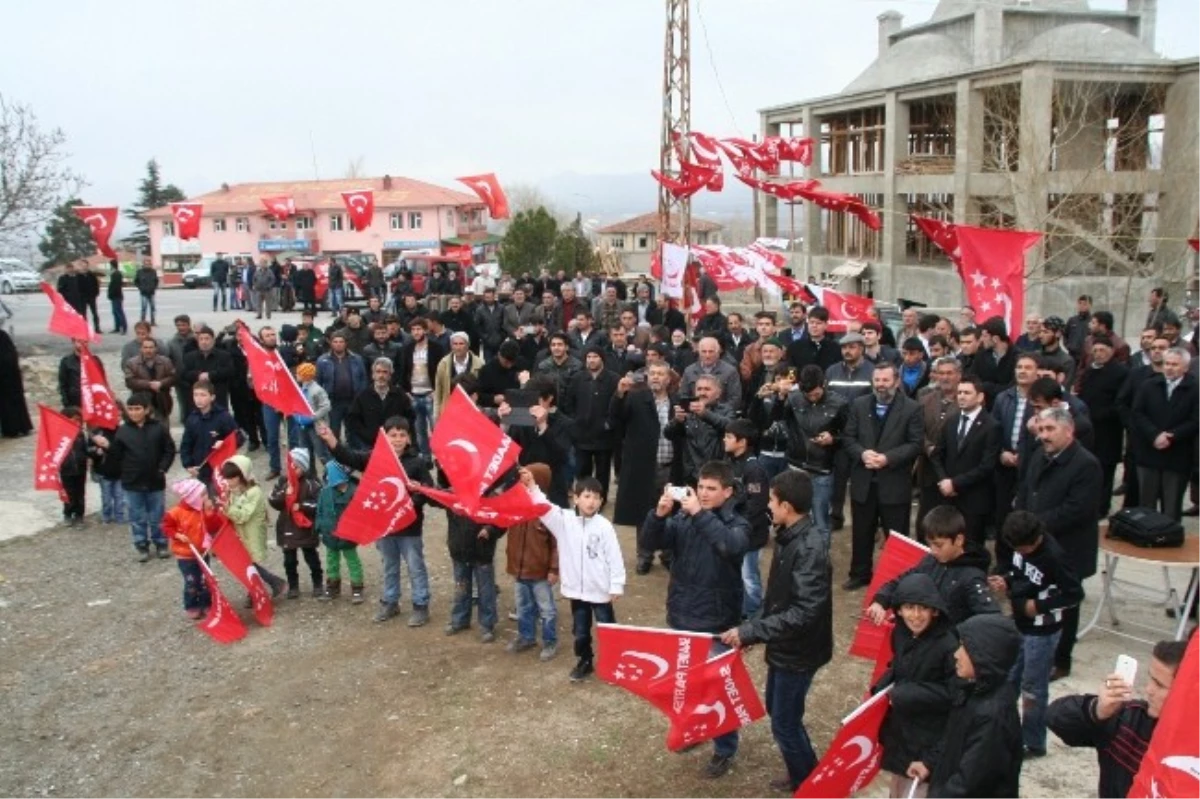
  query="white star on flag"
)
[
  {"x": 1000, "y": 297},
  {"x": 978, "y": 278},
  {"x": 995, "y": 283},
  {"x": 987, "y": 306}
]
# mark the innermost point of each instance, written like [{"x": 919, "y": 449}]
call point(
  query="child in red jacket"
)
[{"x": 189, "y": 524}]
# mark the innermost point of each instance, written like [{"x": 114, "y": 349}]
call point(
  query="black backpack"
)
[{"x": 1143, "y": 527}]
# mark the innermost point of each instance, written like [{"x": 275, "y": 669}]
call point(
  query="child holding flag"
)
[
  {"x": 332, "y": 502},
  {"x": 189, "y": 524},
  {"x": 295, "y": 497},
  {"x": 245, "y": 506},
  {"x": 73, "y": 472}
]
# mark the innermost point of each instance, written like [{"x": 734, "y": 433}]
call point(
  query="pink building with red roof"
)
[{"x": 409, "y": 215}]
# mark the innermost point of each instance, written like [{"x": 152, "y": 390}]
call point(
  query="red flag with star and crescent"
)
[
  {"x": 101, "y": 221},
  {"x": 216, "y": 459},
  {"x": 633, "y": 658},
  {"x": 504, "y": 510},
  {"x": 360, "y": 206},
  {"x": 280, "y": 206},
  {"x": 382, "y": 503},
  {"x": 1171, "y": 765},
  {"x": 274, "y": 384},
  {"x": 65, "y": 320},
  {"x": 97, "y": 402},
  {"x": 472, "y": 451},
  {"x": 900, "y": 553},
  {"x": 56, "y": 436},
  {"x": 221, "y": 623},
  {"x": 488, "y": 189},
  {"x": 187, "y": 219},
  {"x": 854, "y": 755},
  {"x": 234, "y": 556},
  {"x": 719, "y": 697}
]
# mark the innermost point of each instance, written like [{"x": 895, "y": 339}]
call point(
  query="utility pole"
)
[{"x": 676, "y": 120}]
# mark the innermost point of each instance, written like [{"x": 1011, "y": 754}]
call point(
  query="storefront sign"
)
[
  {"x": 279, "y": 245},
  {"x": 410, "y": 245}
]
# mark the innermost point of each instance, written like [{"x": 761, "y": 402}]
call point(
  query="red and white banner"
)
[
  {"x": 280, "y": 206},
  {"x": 854, "y": 755},
  {"x": 843, "y": 308},
  {"x": 56, "y": 436},
  {"x": 187, "y": 219},
  {"x": 686, "y": 185},
  {"x": 97, "y": 402},
  {"x": 102, "y": 221},
  {"x": 221, "y": 623},
  {"x": 471, "y": 450},
  {"x": 216, "y": 459},
  {"x": 634, "y": 658},
  {"x": 1171, "y": 765},
  {"x": 673, "y": 264},
  {"x": 381, "y": 503},
  {"x": 512, "y": 507},
  {"x": 488, "y": 189},
  {"x": 900, "y": 553},
  {"x": 234, "y": 556},
  {"x": 273, "y": 381},
  {"x": 993, "y": 271},
  {"x": 360, "y": 206},
  {"x": 65, "y": 320},
  {"x": 719, "y": 698}
]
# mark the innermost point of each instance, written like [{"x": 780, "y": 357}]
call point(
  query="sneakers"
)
[
  {"x": 548, "y": 652},
  {"x": 195, "y": 614},
  {"x": 453, "y": 629},
  {"x": 718, "y": 766},
  {"x": 643, "y": 567},
  {"x": 386, "y": 611},
  {"x": 318, "y": 592},
  {"x": 356, "y": 594},
  {"x": 518, "y": 645},
  {"x": 419, "y": 617},
  {"x": 163, "y": 551},
  {"x": 487, "y": 637},
  {"x": 582, "y": 669},
  {"x": 512, "y": 616}
]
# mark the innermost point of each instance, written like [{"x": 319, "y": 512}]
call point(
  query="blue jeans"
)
[
  {"x": 112, "y": 501},
  {"x": 219, "y": 295},
  {"x": 535, "y": 599},
  {"x": 145, "y": 517},
  {"x": 773, "y": 465},
  {"x": 581, "y": 624},
  {"x": 273, "y": 419},
  {"x": 120, "y": 323},
  {"x": 723, "y": 745},
  {"x": 335, "y": 298},
  {"x": 822, "y": 499},
  {"x": 423, "y": 414},
  {"x": 148, "y": 305},
  {"x": 412, "y": 549},
  {"x": 483, "y": 575},
  {"x": 1031, "y": 673},
  {"x": 752, "y": 580},
  {"x": 786, "y": 694},
  {"x": 195, "y": 590}
]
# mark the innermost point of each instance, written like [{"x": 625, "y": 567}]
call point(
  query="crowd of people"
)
[{"x": 710, "y": 438}]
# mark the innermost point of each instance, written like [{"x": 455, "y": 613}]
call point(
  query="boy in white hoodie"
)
[{"x": 591, "y": 570}]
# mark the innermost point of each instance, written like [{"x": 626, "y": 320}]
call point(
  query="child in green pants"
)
[{"x": 333, "y": 500}]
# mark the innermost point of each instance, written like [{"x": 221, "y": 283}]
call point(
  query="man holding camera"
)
[{"x": 698, "y": 425}]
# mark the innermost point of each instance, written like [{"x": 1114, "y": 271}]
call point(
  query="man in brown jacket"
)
[
  {"x": 154, "y": 373},
  {"x": 938, "y": 400},
  {"x": 533, "y": 562}
]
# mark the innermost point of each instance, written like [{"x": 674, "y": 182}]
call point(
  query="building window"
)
[
  {"x": 335, "y": 222},
  {"x": 242, "y": 224},
  {"x": 617, "y": 242},
  {"x": 277, "y": 224},
  {"x": 219, "y": 225},
  {"x": 304, "y": 223},
  {"x": 642, "y": 242},
  {"x": 397, "y": 221},
  {"x": 168, "y": 227},
  {"x": 414, "y": 220}
]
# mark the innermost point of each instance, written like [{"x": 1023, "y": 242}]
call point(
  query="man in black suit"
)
[
  {"x": 883, "y": 437},
  {"x": 663, "y": 314},
  {"x": 965, "y": 459},
  {"x": 1099, "y": 385}
]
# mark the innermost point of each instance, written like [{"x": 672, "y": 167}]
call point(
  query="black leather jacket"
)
[{"x": 805, "y": 421}]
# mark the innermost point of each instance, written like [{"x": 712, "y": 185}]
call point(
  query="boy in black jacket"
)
[
  {"x": 72, "y": 473},
  {"x": 750, "y": 502},
  {"x": 959, "y": 573},
  {"x": 1041, "y": 585},
  {"x": 473, "y": 552}
]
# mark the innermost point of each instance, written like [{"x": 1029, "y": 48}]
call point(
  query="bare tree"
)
[
  {"x": 527, "y": 197},
  {"x": 356, "y": 167},
  {"x": 34, "y": 178}
]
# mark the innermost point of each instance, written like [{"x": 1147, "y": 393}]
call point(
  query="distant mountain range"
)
[{"x": 611, "y": 198}]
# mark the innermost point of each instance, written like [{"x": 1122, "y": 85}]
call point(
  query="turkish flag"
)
[
  {"x": 381, "y": 503},
  {"x": 634, "y": 658},
  {"x": 776, "y": 259},
  {"x": 719, "y": 266},
  {"x": 942, "y": 234},
  {"x": 187, "y": 219},
  {"x": 883, "y": 658},
  {"x": 221, "y": 623},
  {"x": 512, "y": 507},
  {"x": 843, "y": 307},
  {"x": 234, "y": 556},
  {"x": 1171, "y": 765},
  {"x": 471, "y": 450},
  {"x": 56, "y": 436},
  {"x": 97, "y": 402},
  {"x": 216, "y": 459},
  {"x": 760, "y": 155},
  {"x": 273, "y": 381},
  {"x": 360, "y": 205},
  {"x": 900, "y": 553},
  {"x": 488, "y": 189},
  {"x": 684, "y": 186},
  {"x": 789, "y": 284},
  {"x": 280, "y": 206},
  {"x": 842, "y": 203},
  {"x": 719, "y": 697},
  {"x": 65, "y": 320},
  {"x": 853, "y": 757},
  {"x": 101, "y": 221},
  {"x": 993, "y": 271},
  {"x": 797, "y": 149}
]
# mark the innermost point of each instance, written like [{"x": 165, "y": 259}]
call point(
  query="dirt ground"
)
[{"x": 106, "y": 689}]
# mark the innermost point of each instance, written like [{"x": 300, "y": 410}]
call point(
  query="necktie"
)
[{"x": 963, "y": 424}]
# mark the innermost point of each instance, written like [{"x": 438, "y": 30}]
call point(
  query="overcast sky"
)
[{"x": 233, "y": 90}]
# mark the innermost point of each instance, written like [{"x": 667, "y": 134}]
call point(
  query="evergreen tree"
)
[
  {"x": 529, "y": 241},
  {"x": 67, "y": 237},
  {"x": 151, "y": 194},
  {"x": 573, "y": 252}
]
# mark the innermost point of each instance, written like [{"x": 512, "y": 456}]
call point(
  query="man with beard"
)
[
  {"x": 797, "y": 325},
  {"x": 767, "y": 387},
  {"x": 1099, "y": 386},
  {"x": 381, "y": 346},
  {"x": 375, "y": 404},
  {"x": 152, "y": 375},
  {"x": 1053, "y": 352},
  {"x": 764, "y": 328},
  {"x": 883, "y": 437},
  {"x": 736, "y": 337},
  {"x": 995, "y": 364}
]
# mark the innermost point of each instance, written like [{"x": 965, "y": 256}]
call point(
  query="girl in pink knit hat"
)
[{"x": 191, "y": 523}]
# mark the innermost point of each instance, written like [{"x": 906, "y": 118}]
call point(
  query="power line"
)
[{"x": 712, "y": 62}]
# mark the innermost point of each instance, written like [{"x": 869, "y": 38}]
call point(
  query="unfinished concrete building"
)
[{"x": 1036, "y": 114}]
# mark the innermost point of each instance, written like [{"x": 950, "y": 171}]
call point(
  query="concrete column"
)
[
  {"x": 968, "y": 145},
  {"x": 1147, "y": 13},
  {"x": 808, "y": 218},
  {"x": 1029, "y": 186},
  {"x": 1178, "y": 204},
  {"x": 895, "y": 149}
]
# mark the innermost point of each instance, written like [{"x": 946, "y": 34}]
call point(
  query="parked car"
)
[
  {"x": 199, "y": 275},
  {"x": 353, "y": 270},
  {"x": 16, "y": 275}
]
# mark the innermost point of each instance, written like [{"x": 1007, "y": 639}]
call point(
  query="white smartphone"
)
[
  {"x": 1126, "y": 669},
  {"x": 677, "y": 493}
]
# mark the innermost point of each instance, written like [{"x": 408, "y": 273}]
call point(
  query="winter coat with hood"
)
[
  {"x": 331, "y": 504},
  {"x": 465, "y": 543},
  {"x": 288, "y": 534},
  {"x": 962, "y": 583},
  {"x": 981, "y": 751},
  {"x": 247, "y": 509},
  {"x": 796, "y": 622},
  {"x": 921, "y": 675},
  {"x": 531, "y": 552}
]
